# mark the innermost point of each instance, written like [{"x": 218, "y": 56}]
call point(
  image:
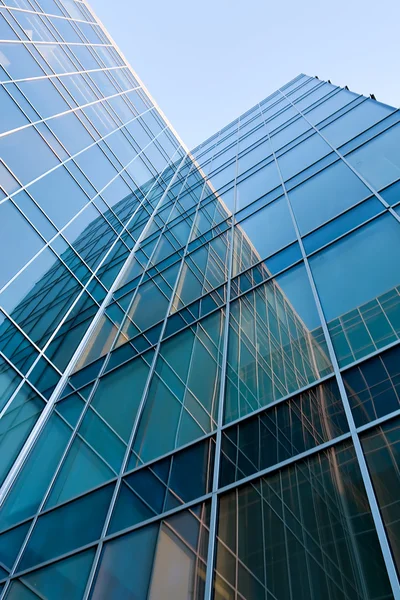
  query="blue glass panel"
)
[
  {"x": 13, "y": 254},
  {"x": 330, "y": 106},
  {"x": 256, "y": 185},
  {"x": 59, "y": 195},
  {"x": 26, "y": 154},
  {"x": 325, "y": 195},
  {"x": 258, "y": 236},
  {"x": 11, "y": 116},
  {"x": 379, "y": 159},
  {"x": 392, "y": 193},
  {"x": 355, "y": 121},
  {"x": 303, "y": 155},
  {"x": 361, "y": 307},
  {"x": 18, "y": 61},
  {"x": 342, "y": 224}
]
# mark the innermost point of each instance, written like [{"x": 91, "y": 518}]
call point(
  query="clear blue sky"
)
[{"x": 207, "y": 62}]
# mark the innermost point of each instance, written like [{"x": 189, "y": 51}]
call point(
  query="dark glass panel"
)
[
  {"x": 281, "y": 432},
  {"x": 373, "y": 387},
  {"x": 382, "y": 452},
  {"x": 301, "y": 529},
  {"x": 67, "y": 528}
]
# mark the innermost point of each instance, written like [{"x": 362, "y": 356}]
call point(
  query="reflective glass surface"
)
[{"x": 198, "y": 350}]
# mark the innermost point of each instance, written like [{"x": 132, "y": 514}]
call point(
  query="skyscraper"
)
[{"x": 199, "y": 350}]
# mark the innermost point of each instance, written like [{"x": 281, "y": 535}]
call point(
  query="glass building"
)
[{"x": 199, "y": 351}]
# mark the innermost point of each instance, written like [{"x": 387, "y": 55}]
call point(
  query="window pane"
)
[
  {"x": 379, "y": 159},
  {"x": 262, "y": 234},
  {"x": 300, "y": 529},
  {"x": 355, "y": 122},
  {"x": 373, "y": 387},
  {"x": 382, "y": 452},
  {"x": 281, "y": 432},
  {"x": 276, "y": 344},
  {"x": 13, "y": 254},
  {"x": 357, "y": 283},
  {"x": 256, "y": 185},
  {"x": 326, "y": 195}
]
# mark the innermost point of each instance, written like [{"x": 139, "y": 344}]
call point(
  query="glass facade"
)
[{"x": 199, "y": 351}]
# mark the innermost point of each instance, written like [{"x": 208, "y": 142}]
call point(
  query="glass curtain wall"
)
[{"x": 199, "y": 351}]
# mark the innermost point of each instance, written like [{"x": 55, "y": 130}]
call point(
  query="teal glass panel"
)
[
  {"x": 357, "y": 283},
  {"x": 9, "y": 381},
  {"x": 19, "y": 591},
  {"x": 36, "y": 474},
  {"x": 16, "y": 424},
  {"x": 164, "y": 485},
  {"x": 67, "y": 528},
  {"x": 81, "y": 470},
  {"x": 276, "y": 344},
  {"x": 125, "y": 386},
  {"x": 71, "y": 408},
  {"x": 185, "y": 386},
  {"x": 203, "y": 270},
  {"x": 63, "y": 580},
  {"x": 129, "y": 509},
  {"x": 125, "y": 566},
  {"x": 281, "y": 432},
  {"x": 10, "y": 544},
  {"x": 102, "y": 439}
]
